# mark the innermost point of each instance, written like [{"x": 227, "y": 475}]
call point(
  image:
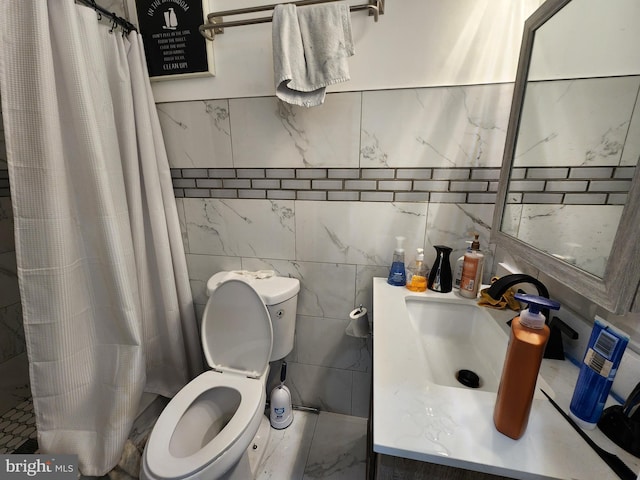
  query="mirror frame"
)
[{"x": 616, "y": 290}]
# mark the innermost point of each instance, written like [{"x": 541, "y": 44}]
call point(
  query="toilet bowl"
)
[{"x": 206, "y": 429}]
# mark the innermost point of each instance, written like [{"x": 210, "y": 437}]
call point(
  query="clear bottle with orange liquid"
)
[{"x": 417, "y": 273}]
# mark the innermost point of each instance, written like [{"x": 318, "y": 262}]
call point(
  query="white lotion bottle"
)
[
  {"x": 472, "y": 270},
  {"x": 459, "y": 263}
]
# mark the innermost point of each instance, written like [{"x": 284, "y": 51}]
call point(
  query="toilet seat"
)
[
  {"x": 237, "y": 339},
  {"x": 159, "y": 459}
]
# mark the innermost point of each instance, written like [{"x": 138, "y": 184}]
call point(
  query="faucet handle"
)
[
  {"x": 557, "y": 323},
  {"x": 555, "y": 347}
]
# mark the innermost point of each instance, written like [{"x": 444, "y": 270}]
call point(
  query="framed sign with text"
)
[{"x": 173, "y": 45}]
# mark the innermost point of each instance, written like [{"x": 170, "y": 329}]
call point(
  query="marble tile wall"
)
[
  {"x": 320, "y": 194},
  {"x": 335, "y": 249}
]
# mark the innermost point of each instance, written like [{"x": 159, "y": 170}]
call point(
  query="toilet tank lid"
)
[{"x": 271, "y": 288}]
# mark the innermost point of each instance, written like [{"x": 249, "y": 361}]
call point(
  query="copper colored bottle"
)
[{"x": 529, "y": 335}]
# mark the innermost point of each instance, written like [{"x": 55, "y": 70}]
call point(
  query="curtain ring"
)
[{"x": 95, "y": 7}]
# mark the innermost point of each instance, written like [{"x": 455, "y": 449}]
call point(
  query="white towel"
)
[{"x": 310, "y": 50}]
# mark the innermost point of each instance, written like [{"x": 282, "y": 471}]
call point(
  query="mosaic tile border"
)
[
  {"x": 558, "y": 185},
  {"x": 455, "y": 185},
  {"x": 530, "y": 185}
]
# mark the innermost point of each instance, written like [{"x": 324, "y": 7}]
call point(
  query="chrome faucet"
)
[{"x": 554, "y": 349}]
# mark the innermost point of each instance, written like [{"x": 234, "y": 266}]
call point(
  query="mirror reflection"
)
[{"x": 578, "y": 141}]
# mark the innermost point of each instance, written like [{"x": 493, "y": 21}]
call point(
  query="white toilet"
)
[{"x": 207, "y": 428}]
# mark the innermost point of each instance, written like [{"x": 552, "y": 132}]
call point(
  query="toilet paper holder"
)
[{"x": 359, "y": 325}]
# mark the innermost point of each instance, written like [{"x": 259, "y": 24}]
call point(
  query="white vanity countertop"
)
[{"x": 414, "y": 418}]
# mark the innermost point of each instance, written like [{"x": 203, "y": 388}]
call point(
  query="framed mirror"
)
[{"x": 569, "y": 192}]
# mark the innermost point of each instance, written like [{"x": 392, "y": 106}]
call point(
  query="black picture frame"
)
[{"x": 172, "y": 41}]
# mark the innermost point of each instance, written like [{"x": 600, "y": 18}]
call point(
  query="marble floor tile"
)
[
  {"x": 325, "y": 446},
  {"x": 288, "y": 449},
  {"x": 339, "y": 448}
]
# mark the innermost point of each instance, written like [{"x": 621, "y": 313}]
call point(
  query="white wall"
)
[{"x": 416, "y": 43}]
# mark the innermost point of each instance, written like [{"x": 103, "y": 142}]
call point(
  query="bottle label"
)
[
  {"x": 598, "y": 363},
  {"x": 469, "y": 272},
  {"x": 397, "y": 275},
  {"x": 598, "y": 357}
]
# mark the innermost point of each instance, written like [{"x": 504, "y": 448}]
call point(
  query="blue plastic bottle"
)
[
  {"x": 597, "y": 372},
  {"x": 397, "y": 274}
]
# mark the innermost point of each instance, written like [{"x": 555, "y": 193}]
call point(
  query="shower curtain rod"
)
[
  {"x": 119, "y": 21},
  {"x": 215, "y": 23}
]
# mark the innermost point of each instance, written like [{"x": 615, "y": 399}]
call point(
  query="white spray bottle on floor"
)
[{"x": 281, "y": 413}]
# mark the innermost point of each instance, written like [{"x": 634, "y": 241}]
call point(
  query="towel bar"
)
[{"x": 215, "y": 23}]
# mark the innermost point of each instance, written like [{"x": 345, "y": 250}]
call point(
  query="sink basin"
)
[{"x": 457, "y": 336}]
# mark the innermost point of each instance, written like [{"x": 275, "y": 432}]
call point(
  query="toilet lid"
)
[{"x": 237, "y": 335}]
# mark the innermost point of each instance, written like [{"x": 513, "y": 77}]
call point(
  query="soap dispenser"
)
[
  {"x": 471, "y": 276},
  {"x": 529, "y": 335},
  {"x": 440, "y": 277},
  {"x": 397, "y": 274},
  {"x": 417, "y": 273},
  {"x": 459, "y": 264}
]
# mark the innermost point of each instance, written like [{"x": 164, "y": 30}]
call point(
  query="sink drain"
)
[{"x": 468, "y": 378}]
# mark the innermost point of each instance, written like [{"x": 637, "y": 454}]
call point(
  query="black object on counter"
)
[
  {"x": 617, "y": 465},
  {"x": 440, "y": 276},
  {"x": 621, "y": 423}
]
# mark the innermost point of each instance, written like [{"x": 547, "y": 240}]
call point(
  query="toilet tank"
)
[
  {"x": 283, "y": 321},
  {"x": 280, "y": 295}
]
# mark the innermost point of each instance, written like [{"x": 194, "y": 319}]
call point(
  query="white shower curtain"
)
[{"x": 107, "y": 308}]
